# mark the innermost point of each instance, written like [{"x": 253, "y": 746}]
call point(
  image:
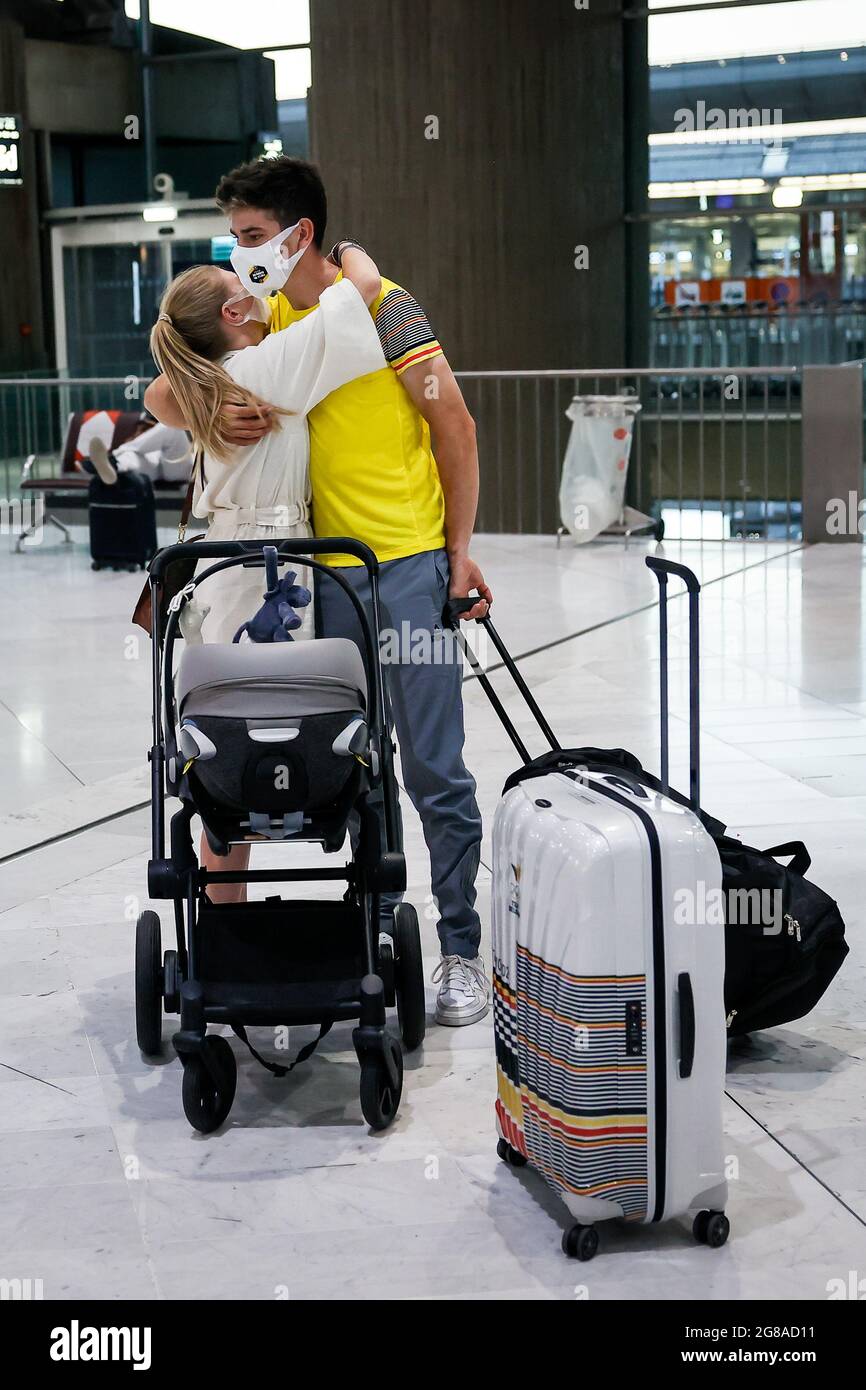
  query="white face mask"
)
[
  {"x": 258, "y": 311},
  {"x": 263, "y": 269}
]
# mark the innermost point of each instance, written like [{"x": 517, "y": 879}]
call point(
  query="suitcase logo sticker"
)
[{"x": 514, "y": 890}]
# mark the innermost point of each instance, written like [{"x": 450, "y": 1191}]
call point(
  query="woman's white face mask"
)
[
  {"x": 258, "y": 311},
  {"x": 263, "y": 269}
]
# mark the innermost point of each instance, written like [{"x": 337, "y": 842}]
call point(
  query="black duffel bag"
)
[
  {"x": 780, "y": 960},
  {"x": 778, "y": 966}
]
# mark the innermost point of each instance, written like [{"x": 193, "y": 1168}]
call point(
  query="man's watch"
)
[{"x": 339, "y": 247}]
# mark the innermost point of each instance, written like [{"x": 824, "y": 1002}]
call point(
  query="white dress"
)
[{"x": 263, "y": 491}]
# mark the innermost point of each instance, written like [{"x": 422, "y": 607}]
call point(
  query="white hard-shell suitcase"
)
[{"x": 608, "y": 980}]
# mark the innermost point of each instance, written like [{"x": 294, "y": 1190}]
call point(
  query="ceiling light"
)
[
  {"x": 826, "y": 183},
  {"x": 160, "y": 212},
  {"x": 696, "y": 188},
  {"x": 788, "y": 197}
]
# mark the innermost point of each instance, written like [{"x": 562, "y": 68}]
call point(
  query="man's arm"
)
[
  {"x": 434, "y": 390},
  {"x": 249, "y": 424}
]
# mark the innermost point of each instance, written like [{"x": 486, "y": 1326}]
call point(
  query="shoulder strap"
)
[{"x": 186, "y": 508}]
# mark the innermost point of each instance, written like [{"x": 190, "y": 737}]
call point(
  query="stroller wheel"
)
[
  {"x": 148, "y": 984},
  {"x": 380, "y": 1099},
  {"x": 206, "y": 1102},
  {"x": 409, "y": 977}
]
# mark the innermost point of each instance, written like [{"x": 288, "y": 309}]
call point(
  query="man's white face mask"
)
[
  {"x": 258, "y": 311},
  {"x": 263, "y": 269}
]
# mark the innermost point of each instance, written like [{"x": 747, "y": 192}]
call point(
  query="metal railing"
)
[
  {"x": 34, "y": 416},
  {"x": 735, "y": 338},
  {"x": 716, "y": 452}
]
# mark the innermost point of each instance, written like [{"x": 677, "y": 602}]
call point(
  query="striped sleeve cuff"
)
[
  {"x": 405, "y": 332},
  {"x": 410, "y": 359}
]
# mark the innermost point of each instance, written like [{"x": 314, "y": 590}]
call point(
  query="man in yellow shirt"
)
[{"x": 375, "y": 477}]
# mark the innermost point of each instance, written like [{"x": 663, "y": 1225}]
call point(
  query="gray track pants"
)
[{"x": 426, "y": 706}]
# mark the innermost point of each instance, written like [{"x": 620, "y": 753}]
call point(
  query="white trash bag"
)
[{"x": 592, "y": 491}]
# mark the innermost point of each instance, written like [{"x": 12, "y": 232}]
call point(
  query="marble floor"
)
[{"x": 105, "y": 1192}]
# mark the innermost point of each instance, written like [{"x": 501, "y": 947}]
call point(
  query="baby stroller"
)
[{"x": 283, "y": 742}]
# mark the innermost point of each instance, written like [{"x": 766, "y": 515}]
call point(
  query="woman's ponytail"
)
[{"x": 186, "y": 341}]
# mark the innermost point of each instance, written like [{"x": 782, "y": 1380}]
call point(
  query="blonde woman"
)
[
  {"x": 214, "y": 349},
  {"x": 212, "y": 344}
]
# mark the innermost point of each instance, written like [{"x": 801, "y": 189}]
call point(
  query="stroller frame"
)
[{"x": 375, "y": 970}]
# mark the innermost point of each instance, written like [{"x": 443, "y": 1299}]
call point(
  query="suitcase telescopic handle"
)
[
  {"x": 662, "y": 569},
  {"x": 666, "y": 567},
  {"x": 453, "y": 610}
]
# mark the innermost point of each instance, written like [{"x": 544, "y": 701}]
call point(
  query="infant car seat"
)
[{"x": 272, "y": 734}]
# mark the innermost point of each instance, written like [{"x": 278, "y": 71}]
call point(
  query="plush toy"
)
[{"x": 277, "y": 618}]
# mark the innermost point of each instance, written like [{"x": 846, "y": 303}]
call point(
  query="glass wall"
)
[{"x": 112, "y": 296}]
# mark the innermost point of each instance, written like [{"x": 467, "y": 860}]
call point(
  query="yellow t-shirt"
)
[{"x": 372, "y": 471}]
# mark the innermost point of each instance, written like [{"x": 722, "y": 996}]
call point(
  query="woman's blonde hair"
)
[{"x": 186, "y": 341}]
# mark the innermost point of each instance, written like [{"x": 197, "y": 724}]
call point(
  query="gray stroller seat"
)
[{"x": 272, "y": 733}]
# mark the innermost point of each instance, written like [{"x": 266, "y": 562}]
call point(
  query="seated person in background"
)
[{"x": 162, "y": 452}]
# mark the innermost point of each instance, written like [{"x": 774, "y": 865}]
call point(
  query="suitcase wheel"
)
[
  {"x": 711, "y": 1228},
  {"x": 513, "y": 1157},
  {"x": 580, "y": 1242}
]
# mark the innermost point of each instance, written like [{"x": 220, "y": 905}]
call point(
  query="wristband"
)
[{"x": 340, "y": 247}]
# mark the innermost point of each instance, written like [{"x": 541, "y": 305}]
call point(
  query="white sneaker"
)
[
  {"x": 464, "y": 991},
  {"x": 101, "y": 460}
]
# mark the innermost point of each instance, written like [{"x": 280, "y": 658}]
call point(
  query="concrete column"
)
[
  {"x": 473, "y": 148},
  {"x": 833, "y": 453},
  {"x": 479, "y": 151}
]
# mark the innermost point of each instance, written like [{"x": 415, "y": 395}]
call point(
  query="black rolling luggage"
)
[{"x": 122, "y": 522}]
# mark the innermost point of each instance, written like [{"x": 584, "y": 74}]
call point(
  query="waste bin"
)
[{"x": 592, "y": 491}]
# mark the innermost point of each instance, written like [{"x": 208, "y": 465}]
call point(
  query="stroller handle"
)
[{"x": 229, "y": 550}]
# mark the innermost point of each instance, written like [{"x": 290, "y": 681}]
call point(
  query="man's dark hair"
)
[{"x": 287, "y": 187}]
